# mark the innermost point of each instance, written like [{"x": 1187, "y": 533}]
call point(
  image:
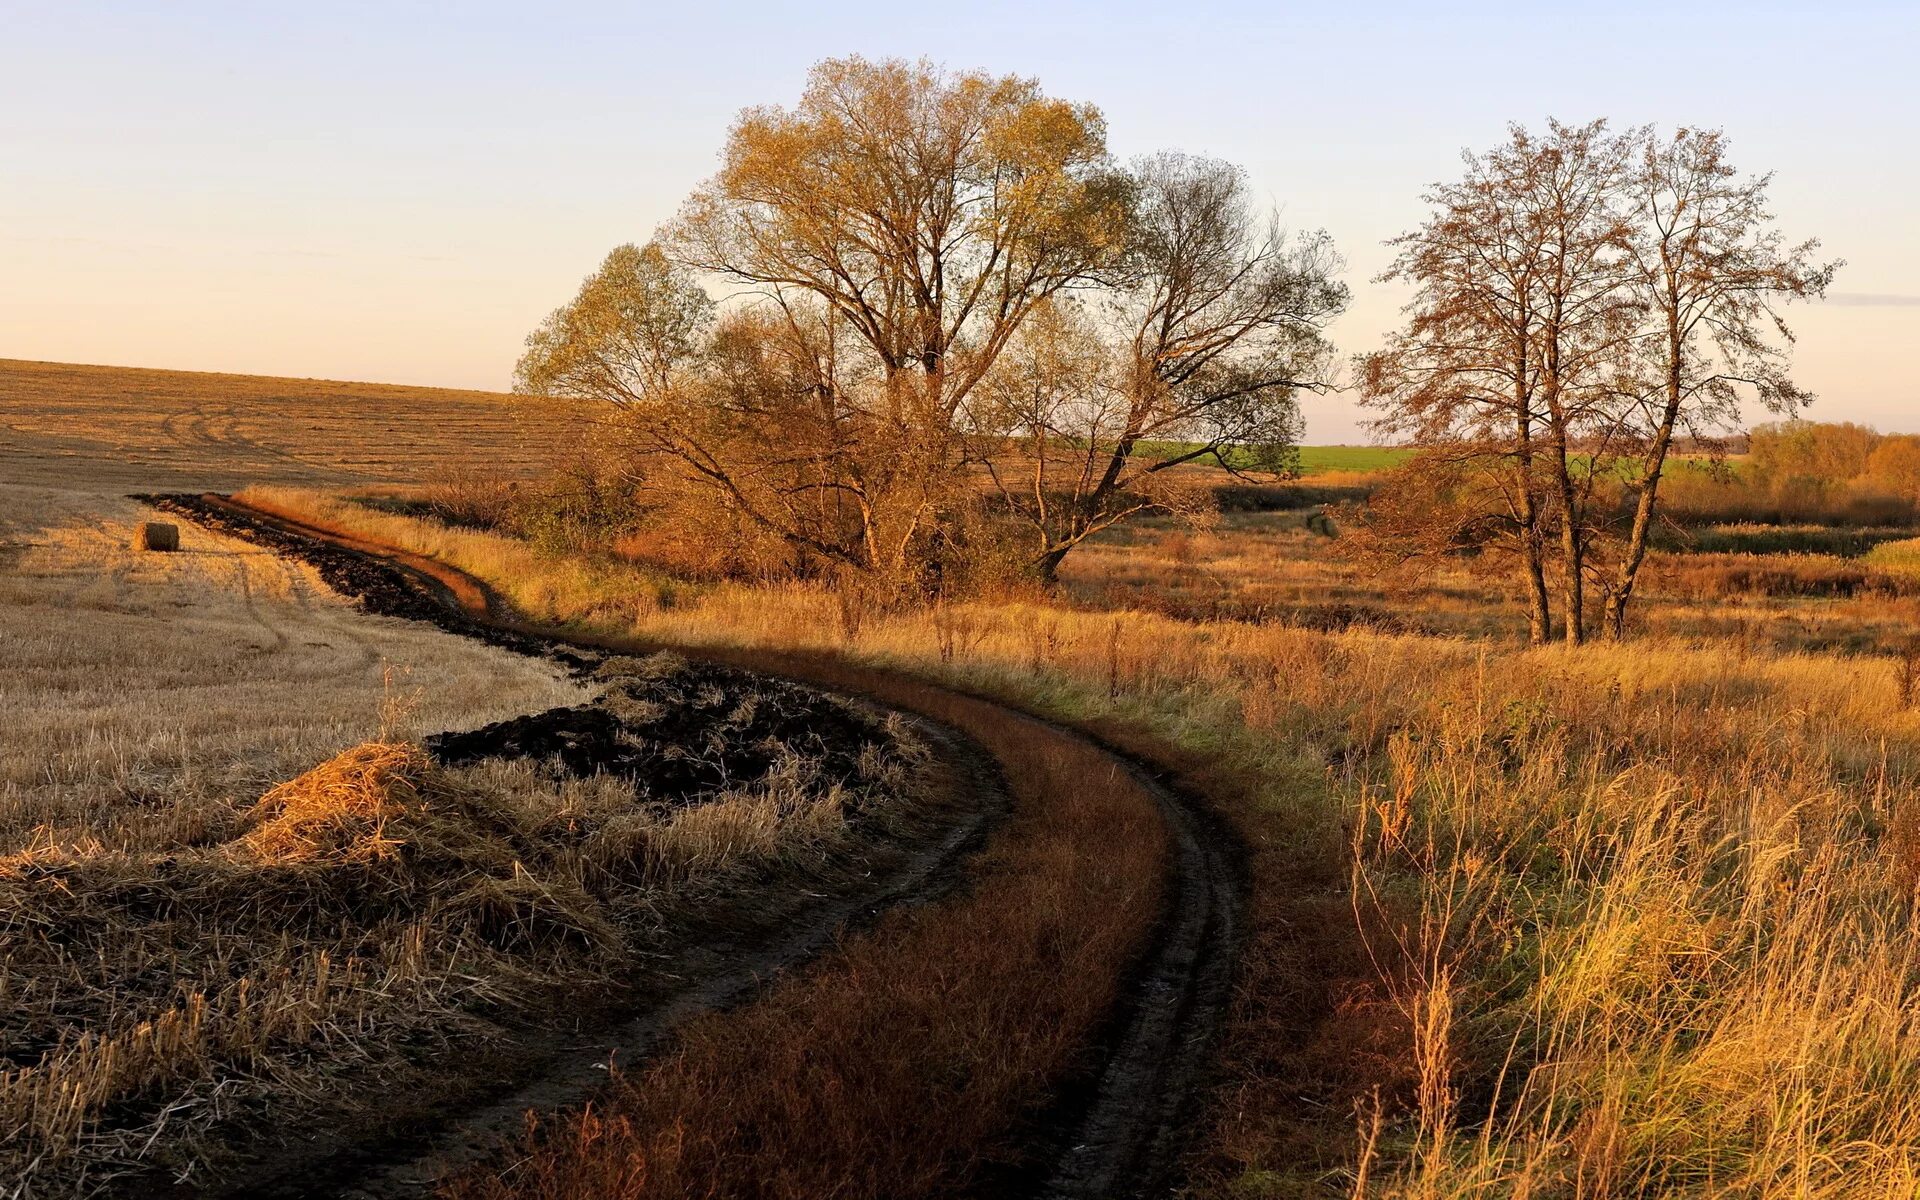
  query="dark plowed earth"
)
[
  {"x": 383, "y": 587},
  {"x": 1119, "y": 1136},
  {"x": 682, "y": 746}
]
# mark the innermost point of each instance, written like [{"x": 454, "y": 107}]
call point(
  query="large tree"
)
[
  {"x": 880, "y": 242},
  {"x": 908, "y": 220},
  {"x": 1709, "y": 271},
  {"x": 937, "y": 283},
  {"x": 930, "y": 212},
  {"x": 1196, "y": 350}
]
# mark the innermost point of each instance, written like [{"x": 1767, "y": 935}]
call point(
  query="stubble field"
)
[{"x": 128, "y": 429}]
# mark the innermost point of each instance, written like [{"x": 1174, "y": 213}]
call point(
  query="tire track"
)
[{"x": 1122, "y": 1136}]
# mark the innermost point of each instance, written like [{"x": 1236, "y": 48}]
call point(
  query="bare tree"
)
[
  {"x": 1709, "y": 270},
  {"x": 1209, "y": 327},
  {"x": 1582, "y": 299},
  {"x": 1481, "y": 373},
  {"x": 1566, "y": 190}
]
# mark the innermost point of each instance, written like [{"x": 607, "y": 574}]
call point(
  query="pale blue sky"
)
[{"x": 400, "y": 191}]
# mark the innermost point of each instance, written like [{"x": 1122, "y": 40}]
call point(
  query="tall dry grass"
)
[
  {"x": 1664, "y": 941},
  {"x": 1636, "y": 920},
  {"x": 553, "y": 588},
  {"x": 163, "y": 1004}
]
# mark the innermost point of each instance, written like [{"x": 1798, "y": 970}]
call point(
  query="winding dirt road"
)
[{"x": 1120, "y": 1137}]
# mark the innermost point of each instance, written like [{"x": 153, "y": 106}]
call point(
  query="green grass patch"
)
[
  {"x": 1314, "y": 460},
  {"x": 1902, "y": 556}
]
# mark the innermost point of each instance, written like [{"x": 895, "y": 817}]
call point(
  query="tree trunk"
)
[
  {"x": 1572, "y": 535},
  {"x": 1572, "y": 555},
  {"x": 1539, "y": 611},
  {"x": 1574, "y": 588},
  {"x": 1539, "y": 615},
  {"x": 1048, "y": 564},
  {"x": 1614, "y": 620}
]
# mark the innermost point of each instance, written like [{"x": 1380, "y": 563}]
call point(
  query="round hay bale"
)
[{"x": 157, "y": 535}]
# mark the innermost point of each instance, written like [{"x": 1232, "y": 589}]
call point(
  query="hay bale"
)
[{"x": 157, "y": 535}]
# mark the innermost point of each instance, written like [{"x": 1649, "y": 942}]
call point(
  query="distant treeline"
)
[{"x": 1832, "y": 473}]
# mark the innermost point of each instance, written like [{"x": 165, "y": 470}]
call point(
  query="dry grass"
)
[
  {"x": 1902, "y": 556},
  {"x": 1633, "y": 920},
  {"x": 1625, "y": 921},
  {"x": 370, "y": 908},
  {"x": 554, "y": 589},
  {"x": 1271, "y": 567},
  {"x": 1665, "y": 941}
]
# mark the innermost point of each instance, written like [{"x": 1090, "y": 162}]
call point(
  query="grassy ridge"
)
[{"x": 1316, "y": 460}]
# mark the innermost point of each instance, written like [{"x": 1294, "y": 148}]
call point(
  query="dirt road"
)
[{"x": 1120, "y": 1136}]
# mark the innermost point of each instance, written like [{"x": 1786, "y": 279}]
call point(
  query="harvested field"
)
[
  {"x": 149, "y": 694},
  {"x": 199, "y": 956},
  {"x": 121, "y": 429}
]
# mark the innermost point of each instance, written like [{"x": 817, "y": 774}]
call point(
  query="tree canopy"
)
[{"x": 944, "y": 313}]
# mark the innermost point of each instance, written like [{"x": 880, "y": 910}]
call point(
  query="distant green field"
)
[
  {"x": 1314, "y": 460},
  {"x": 1319, "y": 460}
]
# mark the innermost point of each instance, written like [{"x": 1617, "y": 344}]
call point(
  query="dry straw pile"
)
[{"x": 157, "y": 535}]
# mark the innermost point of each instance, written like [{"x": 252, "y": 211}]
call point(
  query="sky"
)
[{"x": 401, "y": 191}]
